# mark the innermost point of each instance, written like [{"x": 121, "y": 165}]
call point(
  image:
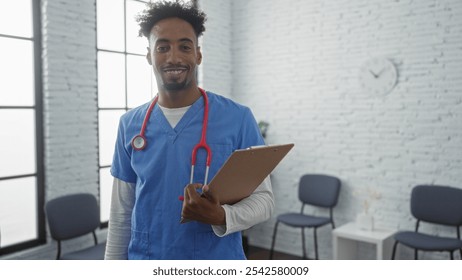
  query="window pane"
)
[
  {"x": 105, "y": 185},
  {"x": 138, "y": 80},
  {"x": 111, "y": 80},
  {"x": 16, "y": 18},
  {"x": 17, "y": 147},
  {"x": 108, "y": 124},
  {"x": 18, "y": 210},
  {"x": 110, "y": 24},
  {"x": 17, "y": 72},
  {"x": 135, "y": 44}
]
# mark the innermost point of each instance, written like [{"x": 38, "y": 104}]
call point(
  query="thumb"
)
[{"x": 209, "y": 194}]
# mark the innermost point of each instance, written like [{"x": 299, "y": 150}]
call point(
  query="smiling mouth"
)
[{"x": 175, "y": 70}]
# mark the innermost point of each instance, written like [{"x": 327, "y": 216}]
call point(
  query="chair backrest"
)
[
  {"x": 437, "y": 204},
  {"x": 319, "y": 190},
  {"x": 72, "y": 215}
]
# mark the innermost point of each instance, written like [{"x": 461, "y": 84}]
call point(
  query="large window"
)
[
  {"x": 21, "y": 149},
  {"x": 124, "y": 79}
]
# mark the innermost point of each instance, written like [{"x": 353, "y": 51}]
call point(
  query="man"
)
[{"x": 153, "y": 169}]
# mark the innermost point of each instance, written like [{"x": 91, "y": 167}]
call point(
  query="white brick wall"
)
[
  {"x": 70, "y": 107},
  {"x": 69, "y": 81},
  {"x": 295, "y": 64},
  {"x": 215, "y": 73}
]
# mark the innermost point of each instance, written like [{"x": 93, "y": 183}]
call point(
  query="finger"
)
[
  {"x": 209, "y": 194},
  {"x": 186, "y": 196},
  {"x": 190, "y": 192}
]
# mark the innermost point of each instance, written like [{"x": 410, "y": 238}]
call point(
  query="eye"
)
[
  {"x": 162, "y": 48},
  {"x": 186, "y": 48}
]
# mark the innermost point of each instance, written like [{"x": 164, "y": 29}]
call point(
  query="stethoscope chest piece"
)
[{"x": 138, "y": 142}]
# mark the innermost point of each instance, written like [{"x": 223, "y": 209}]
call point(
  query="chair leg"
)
[
  {"x": 315, "y": 245},
  {"x": 416, "y": 257},
  {"x": 58, "y": 254},
  {"x": 95, "y": 238},
  {"x": 394, "y": 250},
  {"x": 452, "y": 254},
  {"x": 274, "y": 240},
  {"x": 303, "y": 244}
]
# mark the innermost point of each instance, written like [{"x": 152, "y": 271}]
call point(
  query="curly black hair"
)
[{"x": 159, "y": 10}]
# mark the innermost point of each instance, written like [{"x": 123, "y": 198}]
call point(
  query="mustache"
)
[{"x": 174, "y": 66}]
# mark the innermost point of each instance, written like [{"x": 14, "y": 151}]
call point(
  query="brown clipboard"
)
[{"x": 245, "y": 170}]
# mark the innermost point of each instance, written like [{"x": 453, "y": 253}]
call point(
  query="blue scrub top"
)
[{"x": 162, "y": 170}]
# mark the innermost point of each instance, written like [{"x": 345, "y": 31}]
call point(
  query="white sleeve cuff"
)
[{"x": 248, "y": 212}]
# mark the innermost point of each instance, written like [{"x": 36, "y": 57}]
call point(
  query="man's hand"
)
[{"x": 204, "y": 208}]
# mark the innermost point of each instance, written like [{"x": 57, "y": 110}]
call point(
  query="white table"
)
[{"x": 345, "y": 240}]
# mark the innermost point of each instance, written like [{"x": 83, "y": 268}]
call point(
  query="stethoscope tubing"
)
[{"x": 139, "y": 141}]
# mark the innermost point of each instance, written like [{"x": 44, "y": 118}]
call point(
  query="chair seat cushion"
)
[
  {"x": 91, "y": 253},
  {"x": 301, "y": 220},
  {"x": 427, "y": 242}
]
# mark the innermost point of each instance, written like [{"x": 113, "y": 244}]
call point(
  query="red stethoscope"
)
[{"x": 139, "y": 142}]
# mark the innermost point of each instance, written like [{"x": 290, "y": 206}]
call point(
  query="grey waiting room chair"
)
[
  {"x": 316, "y": 190},
  {"x": 72, "y": 216},
  {"x": 440, "y": 205}
]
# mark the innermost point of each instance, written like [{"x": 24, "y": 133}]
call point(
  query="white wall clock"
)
[{"x": 378, "y": 76}]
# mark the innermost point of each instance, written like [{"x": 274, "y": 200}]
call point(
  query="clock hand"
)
[
  {"x": 373, "y": 74},
  {"x": 380, "y": 72}
]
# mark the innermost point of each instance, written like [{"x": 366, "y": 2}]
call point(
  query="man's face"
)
[{"x": 174, "y": 54}]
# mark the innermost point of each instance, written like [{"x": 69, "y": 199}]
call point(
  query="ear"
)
[
  {"x": 148, "y": 56},
  {"x": 199, "y": 55}
]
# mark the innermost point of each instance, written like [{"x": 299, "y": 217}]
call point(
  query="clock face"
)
[{"x": 378, "y": 76}]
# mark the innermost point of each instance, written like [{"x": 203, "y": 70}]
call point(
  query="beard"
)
[
  {"x": 172, "y": 82},
  {"x": 175, "y": 86}
]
